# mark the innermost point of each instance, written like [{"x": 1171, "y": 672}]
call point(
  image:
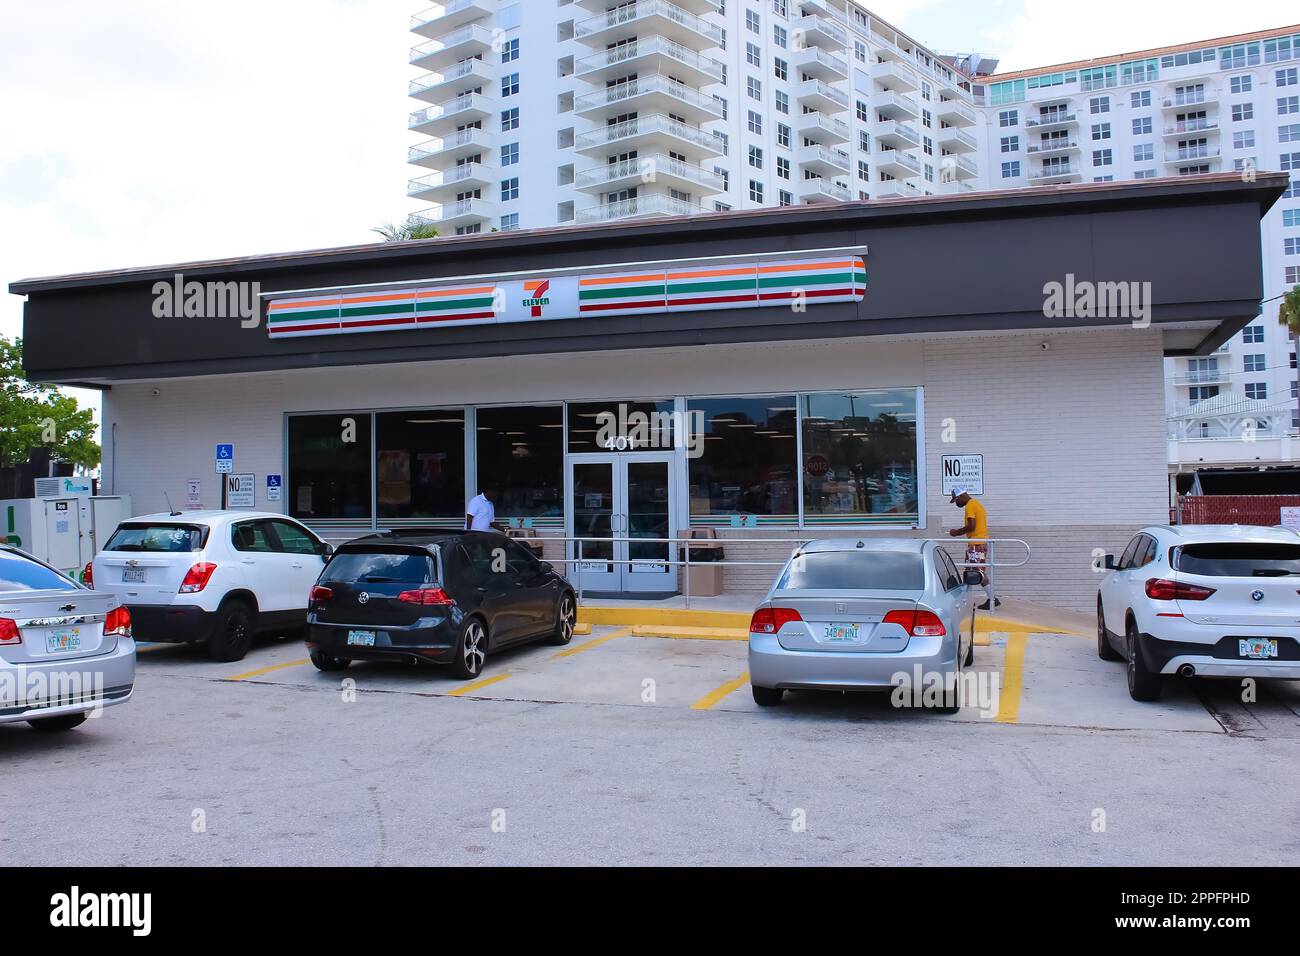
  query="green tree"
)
[
  {"x": 32, "y": 415},
  {"x": 1288, "y": 313},
  {"x": 401, "y": 232}
]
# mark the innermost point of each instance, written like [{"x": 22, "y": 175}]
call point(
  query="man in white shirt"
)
[{"x": 481, "y": 512}]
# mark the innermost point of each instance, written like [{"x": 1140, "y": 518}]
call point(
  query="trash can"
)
[{"x": 704, "y": 576}]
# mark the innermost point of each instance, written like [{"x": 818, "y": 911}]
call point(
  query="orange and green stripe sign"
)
[{"x": 695, "y": 287}]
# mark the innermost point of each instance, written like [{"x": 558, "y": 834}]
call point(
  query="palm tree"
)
[
  {"x": 394, "y": 232},
  {"x": 1288, "y": 313}
]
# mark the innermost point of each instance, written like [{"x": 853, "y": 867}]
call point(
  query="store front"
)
[{"x": 781, "y": 374}]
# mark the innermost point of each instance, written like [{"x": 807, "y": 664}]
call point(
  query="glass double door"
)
[{"x": 614, "y": 500}]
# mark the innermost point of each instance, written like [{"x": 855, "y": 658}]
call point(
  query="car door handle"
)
[{"x": 247, "y": 561}]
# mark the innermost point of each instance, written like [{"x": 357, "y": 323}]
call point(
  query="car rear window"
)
[
  {"x": 380, "y": 567},
  {"x": 156, "y": 537},
  {"x": 855, "y": 571},
  {"x": 1234, "y": 560},
  {"x": 18, "y": 573}
]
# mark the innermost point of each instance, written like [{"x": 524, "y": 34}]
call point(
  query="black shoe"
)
[{"x": 985, "y": 605}]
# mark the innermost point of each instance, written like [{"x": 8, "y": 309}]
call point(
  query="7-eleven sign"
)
[{"x": 536, "y": 296}]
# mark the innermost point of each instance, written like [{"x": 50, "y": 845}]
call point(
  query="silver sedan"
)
[
  {"x": 65, "y": 651},
  {"x": 871, "y": 614}
]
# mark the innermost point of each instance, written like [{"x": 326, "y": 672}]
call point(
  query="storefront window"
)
[
  {"x": 621, "y": 426},
  {"x": 749, "y": 460},
  {"x": 420, "y": 464},
  {"x": 329, "y": 466},
  {"x": 522, "y": 448},
  {"x": 860, "y": 456}
]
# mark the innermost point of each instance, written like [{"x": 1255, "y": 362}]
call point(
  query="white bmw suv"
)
[
  {"x": 211, "y": 577},
  {"x": 1203, "y": 601}
]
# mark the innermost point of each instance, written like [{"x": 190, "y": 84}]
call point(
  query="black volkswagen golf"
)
[{"x": 442, "y": 597}]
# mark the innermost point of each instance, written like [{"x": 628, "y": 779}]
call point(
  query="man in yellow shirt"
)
[{"x": 979, "y": 550}]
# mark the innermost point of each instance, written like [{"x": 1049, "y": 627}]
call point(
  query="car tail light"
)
[
  {"x": 88, "y": 574},
  {"x": 320, "y": 594},
  {"x": 1162, "y": 589},
  {"x": 426, "y": 597},
  {"x": 196, "y": 578},
  {"x": 917, "y": 622},
  {"x": 118, "y": 622},
  {"x": 9, "y": 632},
  {"x": 769, "y": 620}
]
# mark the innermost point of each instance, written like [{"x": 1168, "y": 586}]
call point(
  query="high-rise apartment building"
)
[{"x": 546, "y": 113}]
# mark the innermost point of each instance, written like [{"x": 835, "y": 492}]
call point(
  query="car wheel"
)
[
  {"x": 53, "y": 725},
  {"x": 324, "y": 662},
  {"x": 1104, "y": 649},
  {"x": 767, "y": 696},
  {"x": 233, "y": 634},
  {"x": 566, "y": 616},
  {"x": 1142, "y": 683},
  {"x": 471, "y": 649}
]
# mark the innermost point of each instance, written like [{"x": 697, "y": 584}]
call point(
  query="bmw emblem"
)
[
  {"x": 364, "y": 598},
  {"x": 1257, "y": 595}
]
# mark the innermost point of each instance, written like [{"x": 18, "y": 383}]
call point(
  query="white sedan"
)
[{"x": 1202, "y": 601}]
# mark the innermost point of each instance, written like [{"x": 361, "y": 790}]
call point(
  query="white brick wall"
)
[{"x": 1072, "y": 436}]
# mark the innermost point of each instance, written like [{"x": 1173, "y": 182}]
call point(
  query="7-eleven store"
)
[{"x": 782, "y": 373}]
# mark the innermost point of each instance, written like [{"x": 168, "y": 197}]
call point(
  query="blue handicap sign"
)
[
  {"x": 273, "y": 481},
  {"x": 225, "y": 452}
]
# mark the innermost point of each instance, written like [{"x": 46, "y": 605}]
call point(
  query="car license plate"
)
[
  {"x": 1257, "y": 648},
  {"x": 842, "y": 634},
  {"x": 361, "y": 638},
  {"x": 63, "y": 642},
  {"x": 133, "y": 575}
]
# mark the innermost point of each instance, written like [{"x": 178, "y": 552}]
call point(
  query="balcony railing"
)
[
  {"x": 642, "y": 86},
  {"x": 1192, "y": 153},
  {"x": 815, "y": 187},
  {"x": 463, "y": 137},
  {"x": 447, "y": 10},
  {"x": 1056, "y": 171},
  {"x": 1203, "y": 376},
  {"x": 836, "y": 158},
  {"x": 454, "y": 72},
  {"x": 952, "y": 133},
  {"x": 1190, "y": 98},
  {"x": 473, "y": 33},
  {"x": 456, "y": 175},
  {"x": 1051, "y": 119},
  {"x": 812, "y": 57},
  {"x": 896, "y": 157},
  {"x": 650, "y": 46},
  {"x": 816, "y": 89},
  {"x": 655, "y": 205},
  {"x": 812, "y": 24},
  {"x": 644, "y": 9},
  {"x": 648, "y": 168},
  {"x": 1192, "y": 126},
  {"x": 1053, "y": 145},
  {"x": 645, "y": 126}
]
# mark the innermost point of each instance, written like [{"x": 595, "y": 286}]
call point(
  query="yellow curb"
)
[
  {"x": 581, "y": 629},
  {"x": 717, "y": 694},
  {"x": 662, "y": 617},
  {"x": 477, "y": 685},
  {"x": 268, "y": 670},
  {"x": 694, "y": 633}
]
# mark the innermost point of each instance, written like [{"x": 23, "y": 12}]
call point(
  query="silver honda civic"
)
[
  {"x": 65, "y": 651},
  {"x": 870, "y": 614}
]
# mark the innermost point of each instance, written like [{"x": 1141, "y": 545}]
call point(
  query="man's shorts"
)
[{"x": 977, "y": 558}]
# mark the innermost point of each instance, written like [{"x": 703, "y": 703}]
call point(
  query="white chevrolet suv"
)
[
  {"x": 211, "y": 577},
  {"x": 1204, "y": 601}
]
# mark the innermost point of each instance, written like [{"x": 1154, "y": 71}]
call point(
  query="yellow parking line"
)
[
  {"x": 268, "y": 670},
  {"x": 465, "y": 689},
  {"x": 714, "y": 696},
  {"x": 594, "y": 642},
  {"x": 1013, "y": 679}
]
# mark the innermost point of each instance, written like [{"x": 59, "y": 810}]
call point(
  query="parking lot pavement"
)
[{"x": 634, "y": 749}]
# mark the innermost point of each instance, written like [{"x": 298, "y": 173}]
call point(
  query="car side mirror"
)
[
  {"x": 1110, "y": 562},
  {"x": 326, "y": 549},
  {"x": 972, "y": 579},
  {"x": 546, "y": 567}
]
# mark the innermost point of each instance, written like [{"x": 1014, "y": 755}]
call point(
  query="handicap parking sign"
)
[
  {"x": 273, "y": 486},
  {"x": 225, "y": 459}
]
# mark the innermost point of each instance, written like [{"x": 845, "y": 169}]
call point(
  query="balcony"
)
[
  {"x": 446, "y": 117},
  {"x": 1056, "y": 173},
  {"x": 1208, "y": 127},
  {"x": 894, "y": 189},
  {"x": 1192, "y": 154},
  {"x": 823, "y": 129},
  {"x": 652, "y": 54},
  {"x": 898, "y": 164},
  {"x": 823, "y": 160},
  {"x": 955, "y": 140},
  {"x": 445, "y": 17},
  {"x": 451, "y": 215},
  {"x": 895, "y": 77},
  {"x": 1203, "y": 376},
  {"x": 451, "y": 149},
  {"x": 822, "y": 97},
  {"x": 639, "y": 207},
  {"x": 439, "y": 187},
  {"x": 698, "y": 7},
  {"x": 894, "y": 106},
  {"x": 654, "y": 132},
  {"x": 817, "y": 190},
  {"x": 1180, "y": 101},
  {"x": 651, "y": 94},
  {"x": 819, "y": 64},
  {"x": 649, "y": 17},
  {"x": 820, "y": 30},
  {"x": 459, "y": 78},
  {"x": 897, "y": 134},
  {"x": 953, "y": 168},
  {"x": 954, "y": 113},
  {"x": 654, "y": 168},
  {"x": 1054, "y": 146},
  {"x": 438, "y": 55},
  {"x": 1053, "y": 119}
]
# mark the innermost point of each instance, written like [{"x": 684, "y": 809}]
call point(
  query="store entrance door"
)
[{"x": 629, "y": 496}]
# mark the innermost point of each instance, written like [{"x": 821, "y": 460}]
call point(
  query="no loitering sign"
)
[{"x": 963, "y": 471}]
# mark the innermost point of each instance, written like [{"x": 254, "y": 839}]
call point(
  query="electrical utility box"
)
[{"x": 63, "y": 531}]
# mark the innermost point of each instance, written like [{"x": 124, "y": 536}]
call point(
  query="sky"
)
[{"x": 152, "y": 131}]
